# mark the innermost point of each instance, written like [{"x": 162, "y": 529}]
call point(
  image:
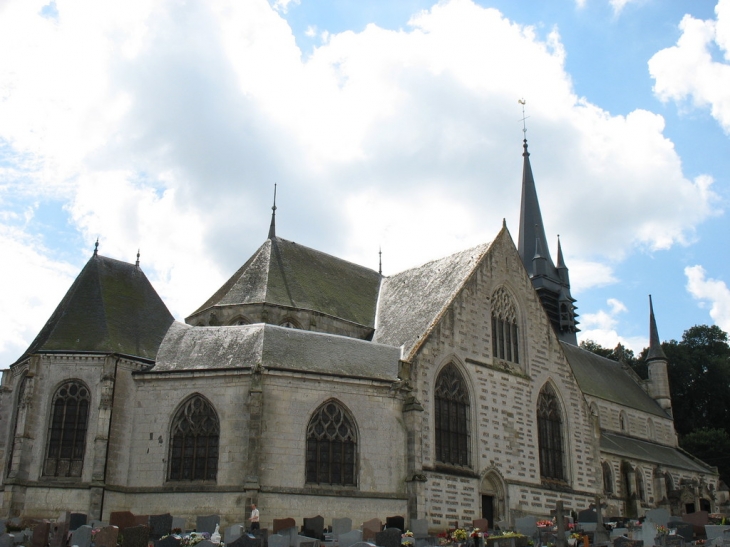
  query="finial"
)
[
  {"x": 96, "y": 246},
  {"x": 504, "y": 222},
  {"x": 137, "y": 263},
  {"x": 272, "y": 228},
  {"x": 380, "y": 260},
  {"x": 655, "y": 346},
  {"x": 524, "y": 126}
]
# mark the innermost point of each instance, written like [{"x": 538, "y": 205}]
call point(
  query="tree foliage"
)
[{"x": 712, "y": 446}]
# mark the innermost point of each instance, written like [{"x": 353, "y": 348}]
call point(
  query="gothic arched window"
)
[
  {"x": 331, "y": 446},
  {"x": 669, "y": 481},
  {"x": 194, "y": 438},
  {"x": 607, "y": 478},
  {"x": 550, "y": 435},
  {"x": 452, "y": 418},
  {"x": 505, "y": 333},
  {"x": 640, "y": 493},
  {"x": 67, "y": 430}
]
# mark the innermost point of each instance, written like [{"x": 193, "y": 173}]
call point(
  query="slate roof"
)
[
  {"x": 412, "y": 301},
  {"x": 636, "y": 449},
  {"x": 606, "y": 379},
  {"x": 111, "y": 307},
  {"x": 285, "y": 273},
  {"x": 243, "y": 346}
]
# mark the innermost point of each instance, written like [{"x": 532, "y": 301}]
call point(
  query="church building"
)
[{"x": 310, "y": 385}]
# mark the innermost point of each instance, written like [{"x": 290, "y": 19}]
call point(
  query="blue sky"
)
[{"x": 392, "y": 124}]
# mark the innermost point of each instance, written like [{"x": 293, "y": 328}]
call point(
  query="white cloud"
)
[
  {"x": 713, "y": 290},
  {"x": 164, "y": 127},
  {"x": 601, "y": 328},
  {"x": 688, "y": 72}
]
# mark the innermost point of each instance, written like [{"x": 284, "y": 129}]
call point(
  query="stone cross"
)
[{"x": 560, "y": 518}]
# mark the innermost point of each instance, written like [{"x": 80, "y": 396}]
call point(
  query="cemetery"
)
[{"x": 585, "y": 528}]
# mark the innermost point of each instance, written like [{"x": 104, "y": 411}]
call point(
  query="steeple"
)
[
  {"x": 552, "y": 284},
  {"x": 656, "y": 361},
  {"x": 272, "y": 228}
]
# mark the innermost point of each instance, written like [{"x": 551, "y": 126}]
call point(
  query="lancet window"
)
[
  {"x": 67, "y": 430},
  {"x": 331, "y": 447},
  {"x": 452, "y": 418},
  {"x": 550, "y": 435},
  {"x": 607, "y": 478},
  {"x": 505, "y": 333},
  {"x": 194, "y": 440}
]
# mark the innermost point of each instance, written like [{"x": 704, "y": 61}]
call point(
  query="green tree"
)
[
  {"x": 712, "y": 446},
  {"x": 619, "y": 353}
]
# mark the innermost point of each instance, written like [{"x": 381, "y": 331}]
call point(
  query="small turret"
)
[{"x": 656, "y": 361}]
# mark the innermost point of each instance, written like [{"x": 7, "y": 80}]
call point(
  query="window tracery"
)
[
  {"x": 550, "y": 435},
  {"x": 67, "y": 431},
  {"x": 452, "y": 418},
  {"x": 331, "y": 447},
  {"x": 505, "y": 333},
  {"x": 194, "y": 439}
]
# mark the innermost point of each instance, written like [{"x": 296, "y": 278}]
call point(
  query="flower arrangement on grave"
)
[
  {"x": 662, "y": 530},
  {"x": 576, "y": 535},
  {"x": 477, "y": 533},
  {"x": 508, "y": 534},
  {"x": 459, "y": 535},
  {"x": 444, "y": 538},
  {"x": 408, "y": 534},
  {"x": 193, "y": 539},
  {"x": 545, "y": 523}
]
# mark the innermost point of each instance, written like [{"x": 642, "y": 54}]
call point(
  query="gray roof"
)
[
  {"x": 287, "y": 274},
  {"x": 243, "y": 346},
  {"x": 111, "y": 307},
  {"x": 636, "y": 449},
  {"x": 412, "y": 302},
  {"x": 606, "y": 379}
]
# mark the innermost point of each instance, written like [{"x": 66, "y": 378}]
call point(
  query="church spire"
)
[
  {"x": 655, "y": 346},
  {"x": 272, "y": 228}
]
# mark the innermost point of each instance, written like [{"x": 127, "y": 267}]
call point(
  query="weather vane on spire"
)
[{"x": 524, "y": 125}]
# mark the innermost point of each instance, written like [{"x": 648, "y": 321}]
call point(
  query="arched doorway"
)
[{"x": 493, "y": 502}]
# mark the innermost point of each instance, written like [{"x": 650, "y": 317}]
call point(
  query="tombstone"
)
[
  {"x": 7, "y": 540},
  {"x": 283, "y": 524},
  {"x": 313, "y": 527},
  {"x": 618, "y": 532},
  {"x": 107, "y": 537},
  {"x": 526, "y": 526},
  {"x": 59, "y": 534},
  {"x": 660, "y": 517},
  {"x": 648, "y": 532},
  {"x": 233, "y": 532},
  {"x": 370, "y": 528},
  {"x": 714, "y": 531},
  {"x": 587, "y": 515},
  {"x": 350, "y": 538},
  {"x": 390, "y": 537},
  {"x": 169, "y": 541},
  {"x": 684, "y": 529},
  {"x": 122, "y": 520},
  {"x": 207, "y": 524},
  {"x": 419, "y": 527},
  {"x": 246, "y": 540},
  {"x": 40, "y": 534},
  {"x": 428, "y": 541},
  {"x": 482, "y": 524},
  {"x": 81, "y": 536},
  {"x": 75, "y": 520},
  {"x": 160, "y": 525},
  {"x": 396, "y": 522},
  {"x": 622, "y": 541},
  {"x": 205, "y": 543},
  {"x": 277, "y": 540},
  {"x": 341, "y": 526},
  {"x": 136, "y": 536},
  {"x": 698, "y": 519}
]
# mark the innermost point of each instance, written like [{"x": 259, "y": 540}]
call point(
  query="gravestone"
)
[
  {"x": 617, "y": 532},
  {"x": 7, "y": 540},
  {"x": 390, "y": 537},
  {"x": 160, "y": 525},
  {"x": 233, "y": 532},
  {"x": 526, "y": 526},
  {"x": 419, "y": 527},
  {"x": 207, "y": 524},
  {"x": 179, "y": 523},
  {"x": 560, "y": 520},
  {"x": 107, "y": 537},
  {"x": 660, "y": 517},
  {"x": 482, "y": 524},
  {"x": 75, "y": 520},
  {"x": 59, "y": 533},
  {"x": 81, "y": 536},
  {"x": 246, "y": 540},
  {"x": 169, "y": 541},
  {"x": 697, "y": 519},
  {"x": 141, "y": 520},
  {"x": 122, "y": 520},
  {"x": 283, "y": 524},
  {"x": 350, "y": 538},
  {"x": 587, "y": 515},
  {"x": 313, "y": 527},
  {"x": 136, "y": 536},
  {"x": 370, "y": 528},
  {"x": 684, "y": 529},
  {"x": 428, "y": 541},
  {"x": 277, "y": 540},
  {"x": 396, "y": 522},
  {"x": 648, "y": 532},
  {"x": 341, "y": 526},
  {"x": 622, "y": 541},
  {"x": 206, "y": 543},
  {"x": 40, "y": 534}
]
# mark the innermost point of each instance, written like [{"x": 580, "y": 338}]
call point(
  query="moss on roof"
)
[
  {"x": 285, "y": 273},
  {"x": 637, "y": 449},
  {"x": 110, "y": 308},
  {"x": 606, "y": 379}
]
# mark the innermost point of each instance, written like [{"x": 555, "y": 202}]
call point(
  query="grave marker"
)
[
  {"x": 390, "y": 537},
  {"x": 160, "y": 525},
  {"x": 136, "y": 536},
  {"x": 107, "y": 537},
  {"x": 350, "y": 538}
]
